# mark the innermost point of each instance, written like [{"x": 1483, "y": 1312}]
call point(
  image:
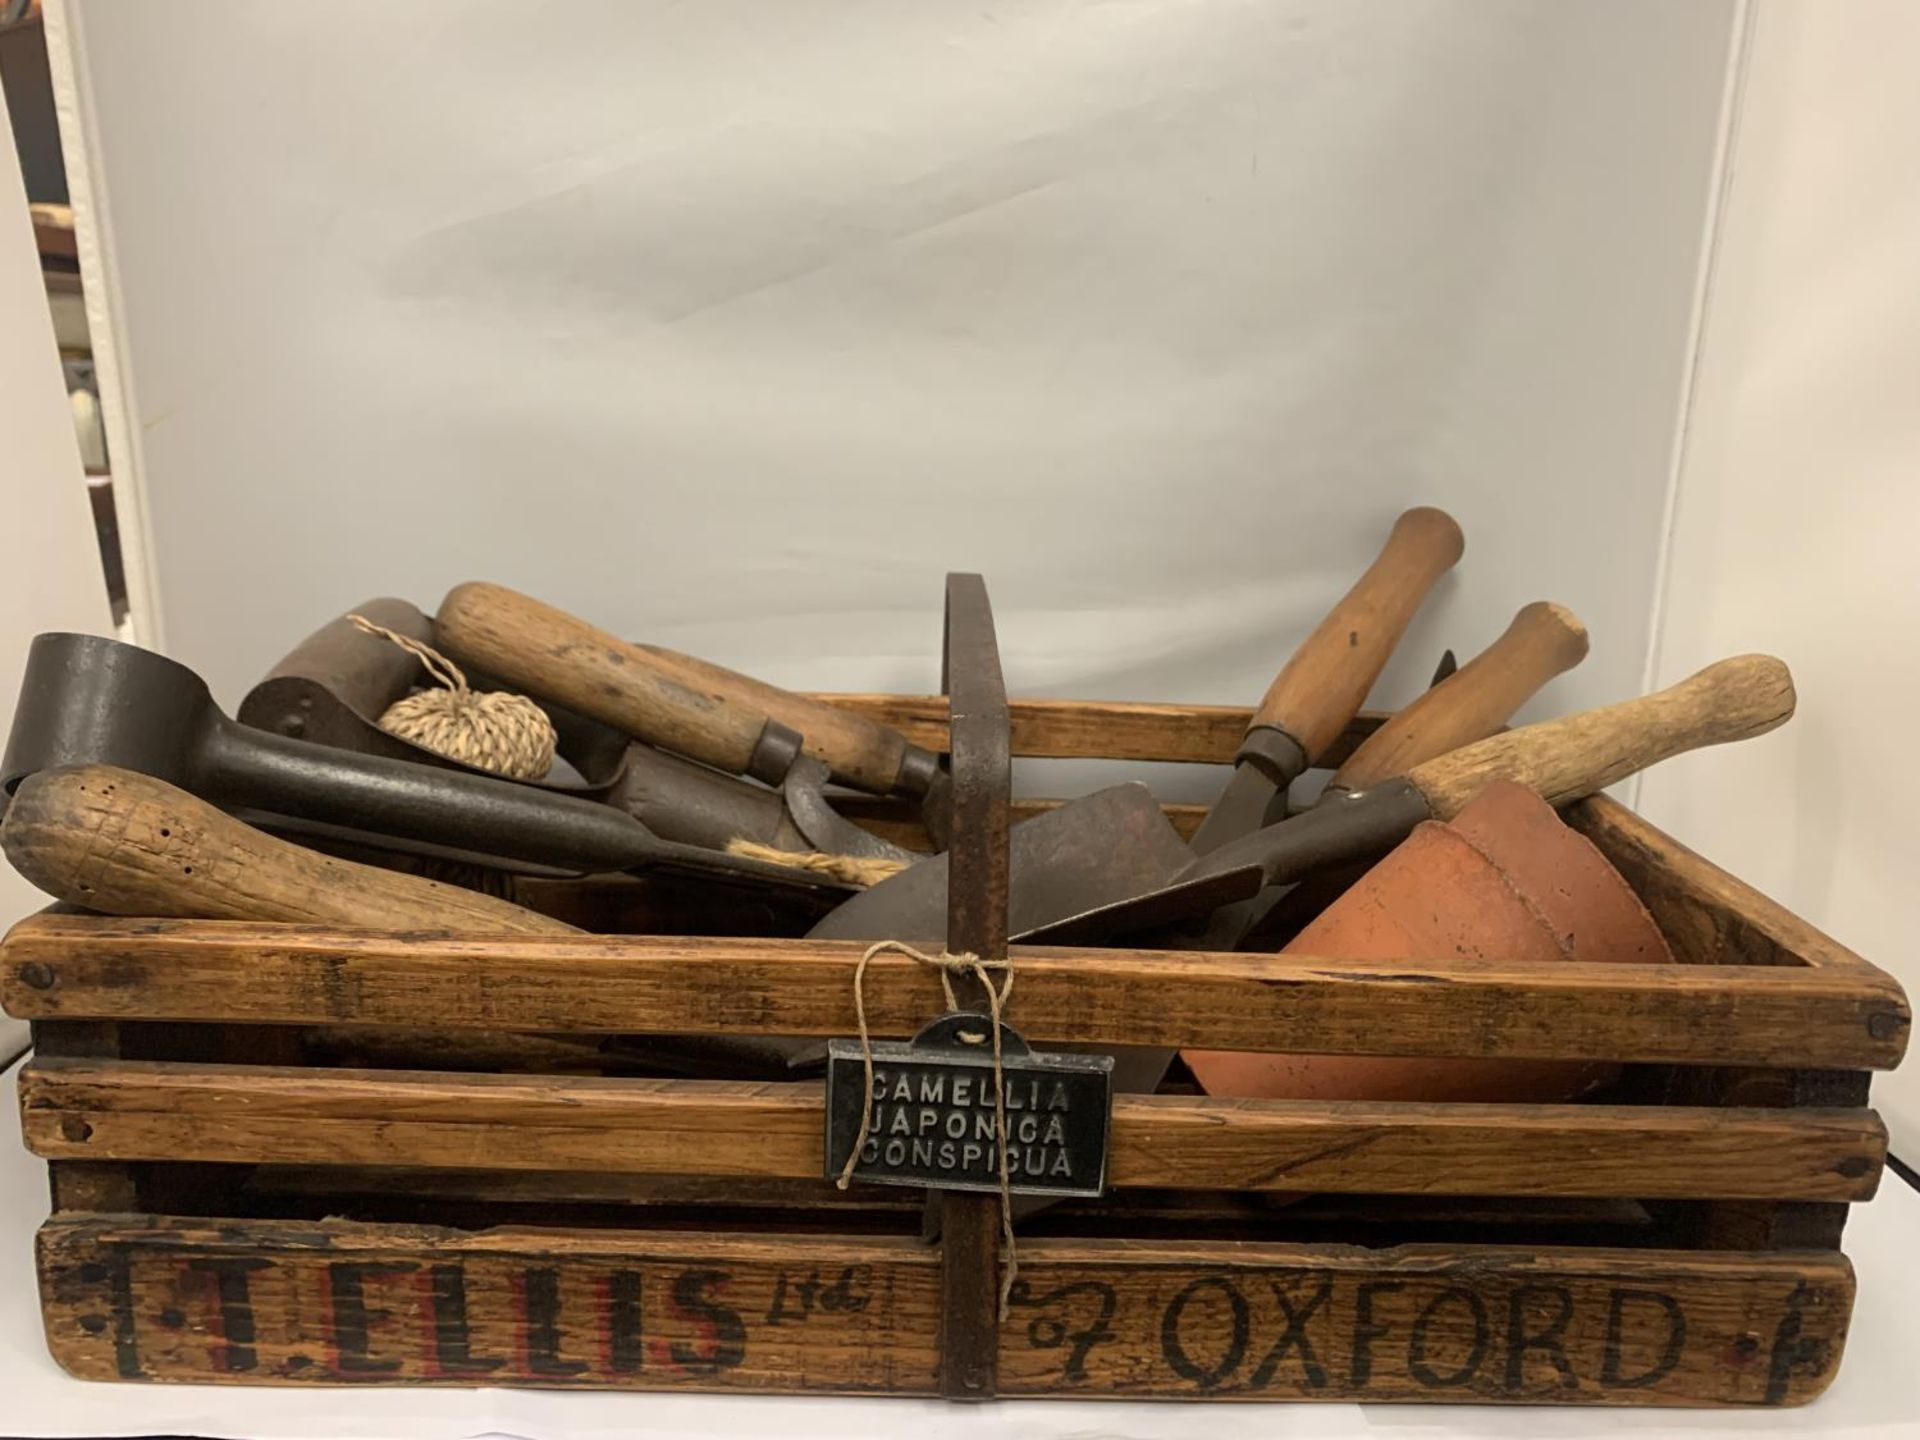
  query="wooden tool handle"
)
[
  {"x": 703, "y": 711},
  {"x": 1327, "y": 680},
  {"x": 1543, "y": 641},
  {"x": 114, "y": 840},
  {"x": 1579, "y": 754}
]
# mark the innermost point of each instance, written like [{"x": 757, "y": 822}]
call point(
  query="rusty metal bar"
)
[{"x": 976, "y": 923}]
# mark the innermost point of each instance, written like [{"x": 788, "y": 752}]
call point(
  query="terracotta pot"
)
[
  {"x": 1508, "y": 880},
  {"x": 1590, "y": 905}
]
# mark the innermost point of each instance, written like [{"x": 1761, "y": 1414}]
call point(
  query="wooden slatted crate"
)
[{"x": 233, "y": 1203}]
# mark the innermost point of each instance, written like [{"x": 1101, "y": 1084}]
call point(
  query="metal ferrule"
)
[
  {"x": 1274, "y": 753},
  {"x": 919, "y": 772},
  {"x": 774, "y": 753}
]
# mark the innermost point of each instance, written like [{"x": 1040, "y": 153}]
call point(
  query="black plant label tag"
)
[{"x": 933, "y": 1112}]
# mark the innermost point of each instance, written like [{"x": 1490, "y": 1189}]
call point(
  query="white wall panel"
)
[
  {"x": 1799, "y": 496},
  {"x": 732, "y": 325},
  {"x": 51, "y": 578}
]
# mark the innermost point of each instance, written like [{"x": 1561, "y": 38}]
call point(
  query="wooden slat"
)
[
  {"x": 1708, "y": 915},
  {"x": 86, "y": 1184},
  {"x": 1099, "y": 729},
  {"x": 54, "y": 967},
  {"x": 900, "y": 822},
  {"x": 1587, "y": 1220},
  {"x": 282, "y": 1302},
  {"x": 139, "y": 1110}
]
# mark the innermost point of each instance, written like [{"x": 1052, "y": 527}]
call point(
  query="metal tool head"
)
[
  {"x": 1110, "y": 846},
  {"x": 1206, "y": 901},
  {"x": 780, "y": 760},
  {"x": 333, "y": 687},
  {"x": 88, "y": 700}
]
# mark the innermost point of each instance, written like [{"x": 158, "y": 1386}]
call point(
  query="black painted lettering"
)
[
  {"x": 1294, "y": 1337},
  {"x": 126, "y": 1326},
  {"x": 540, "y": 1293},
  {"x": 1791, "y": 1349},
  {"x": 1419, "y": 1346},
  {"x": 625, "y": 1351},
  {"x": 1174, "y": 1348},
  {"x": 1549, "y": 1341},
  {"x": 851, "y": 1293},
  {"x": 233, "y": 1305},
  {"x": 452, "y": 1335},
  {"x": 723, "y": 1335},
  {"x": 1611, "y": 1375},
  {"x": 354, "y": 1319},
  {"x": 1050, "y": 1332},
  {"x": 804, "y": 1292},
  {"x": 1366, "y": 1329},
  {"x": 778, "y": 1313}
]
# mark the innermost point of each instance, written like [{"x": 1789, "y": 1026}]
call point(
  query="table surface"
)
[{"x": 1877, "y": 1392}]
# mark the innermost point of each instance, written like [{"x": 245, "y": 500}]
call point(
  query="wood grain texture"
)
[
  {"x": 112, "y": 840},
  {"x": 1709, "y": 916},
  {"x": 86, "y": 1185},
  {"x": 54, "y": 967},
  {"x": 278, "y": 1302},
  {"x": 1543, "y": 640},
  {"x": 1097, "y": 729},
  {"x": 1188, "y": 1214},
  {"x": 146, "y": 1110},
  {"x": 900, "y": 822},
  {"x": 1323, "y": 685},
  {"x": 1580, "y": 754},
  {"x": 689, "y": 706}
]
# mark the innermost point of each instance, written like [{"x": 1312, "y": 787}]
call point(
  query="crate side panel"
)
[
  {"x": 68, "y": 967},
  {"x": 280, "y": 1302},
  {"x": 158, "y": 1110}
]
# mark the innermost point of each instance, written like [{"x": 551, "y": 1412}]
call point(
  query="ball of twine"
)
[{"x": 488, "y": 729}]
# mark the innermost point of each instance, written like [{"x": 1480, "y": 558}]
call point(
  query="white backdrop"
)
[
  {"x": 51, "y": 579},
  {"x": 733, "y": 325},
  {"x": 1799, "y": 500}
]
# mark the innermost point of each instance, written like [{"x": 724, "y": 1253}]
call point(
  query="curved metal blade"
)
[
  {"x": 1108, "y": 847},
  {"x": 826, "y": 828}
]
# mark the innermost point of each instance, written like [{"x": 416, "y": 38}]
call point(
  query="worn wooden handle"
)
[
  {"x": 1543, "y": 641},
  {"x": 1574, "y": 756},
  {"x": 691, "y": 707},
  {"x": 113, "y": 840},
  {"x": 1327, "y": 680}
]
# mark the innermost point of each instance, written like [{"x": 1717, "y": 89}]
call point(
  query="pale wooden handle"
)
[
  {"x": 1543, "y": 641},
  {"x": 1579, "y": 754},
  {"x": 1327, "y": 680},
  {"x": 127, "y": 844},
  {"x": 691, "y": 707}
]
